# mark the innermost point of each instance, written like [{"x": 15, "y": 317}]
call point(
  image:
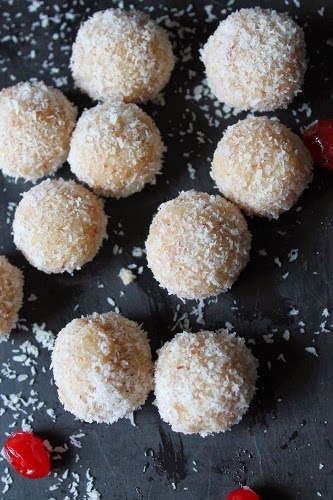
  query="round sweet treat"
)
[
  {"x": 204, "y": 382},
  {"x": 36, "y": 124},
  {"x": 122, "y": 56},
  {"x": 59, "y": 226},
  {"x": 102, "y": 366},
  {"x": 116, "y": 149},
  {"x": 263, "y": 167},
  {"x": 197, "y": 245},
  {"x": 11, "y": 296},
  {"x": 255, "y": 60}
]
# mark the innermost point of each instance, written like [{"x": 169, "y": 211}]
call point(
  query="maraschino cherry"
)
[
  {"x": 318, "y": 138},
  {"x": 26, "y": 453},
  {"x": 242, "y": 494}
]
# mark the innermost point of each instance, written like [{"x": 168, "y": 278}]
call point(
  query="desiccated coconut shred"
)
[{"x": 126, "y": 276}]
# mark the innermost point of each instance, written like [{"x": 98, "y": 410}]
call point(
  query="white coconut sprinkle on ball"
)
[
  {"x": 36, "y": 123},
  {"x": 102, "y": 366},
  {"x": 261, "y": 166},
  {"x": 116, "y": 149},
  {"x": 59, "y": 226},
  {"x": 255, "y": 60},
  {"x": 122, "y": 56},
  {"x": 11, "y": 296},
  {"x": 204, "y": 382},
  {"x": 197, "y": 245}
]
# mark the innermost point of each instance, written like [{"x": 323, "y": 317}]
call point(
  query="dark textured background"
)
[{"x": 278, "y": 446}]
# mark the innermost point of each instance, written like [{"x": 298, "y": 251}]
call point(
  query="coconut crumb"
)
[
  {"x": 312, "y": 350},
  {"x": 126, "y": 276}
]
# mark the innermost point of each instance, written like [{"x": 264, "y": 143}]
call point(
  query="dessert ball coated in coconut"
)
[
  {"x": 59, "y": 226},
  {"x": 11, "y": 296},
  {"x": 197, "y": 245},
  {"x": 116, "y": 149},
  {"x": 36, "y": 124},
  {"x": 261, "y": 166},
  {"x": 255, "y": 60},
  {"x": 122, "y": 56},
  {"x": 204, "y": 382},
  {"x": 102, "y": 367}
]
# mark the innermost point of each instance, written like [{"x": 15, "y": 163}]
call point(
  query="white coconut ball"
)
[
  {"x": 36, "y": 124},
  {"x": 255, "y": 60},
  {"x": 11, "y": 296},
  {"x": 261, "y": 166},
  {"x": 102, "y": 367},
  {"x": 197, "y": 245},
  {"x": 204, "y": 382},
  {"x": 59, "y": 226},
  {"x": 122, "y": 56},
  {"x": 116, "y": 149}
]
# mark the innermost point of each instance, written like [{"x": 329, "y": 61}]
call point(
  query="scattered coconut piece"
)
[{"x": 126, "y": 276}]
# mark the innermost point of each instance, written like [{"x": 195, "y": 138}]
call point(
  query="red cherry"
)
[
  {"x": 242, "y": 494},
  {"x": 318, "y": 138},
  {"x": 27, "y": 455}
]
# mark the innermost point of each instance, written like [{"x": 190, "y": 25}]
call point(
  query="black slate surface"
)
[{"x": 283, "y": 448}]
